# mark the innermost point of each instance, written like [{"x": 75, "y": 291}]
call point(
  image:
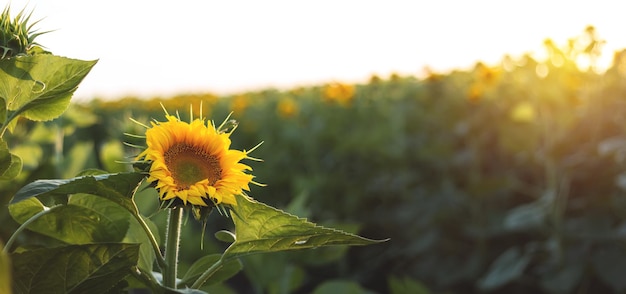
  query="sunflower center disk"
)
[{"x": 190, "y": 164}]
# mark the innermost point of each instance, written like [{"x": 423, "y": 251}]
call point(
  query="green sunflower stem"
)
[{"x": 172, "y": 243}]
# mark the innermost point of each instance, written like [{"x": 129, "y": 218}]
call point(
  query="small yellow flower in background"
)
[
  {"x": 192, "y": 162},
  {"x": 239, "y": 104},
  {"x": 340, "y": 93},
  {"x": 431, "y": 75},
  {"x": 287, "y": 108},
  {"x": 475, "y": 93},
  {"x": 488, "y": 76},
  {"x": 485, "y": 81},
  {"x": 523, "y": 112}
]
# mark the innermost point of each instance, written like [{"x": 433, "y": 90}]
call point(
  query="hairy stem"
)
[{"x": 172, "y": 243}]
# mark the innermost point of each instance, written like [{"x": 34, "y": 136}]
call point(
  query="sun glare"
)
[{"x": 400, "y": 37}]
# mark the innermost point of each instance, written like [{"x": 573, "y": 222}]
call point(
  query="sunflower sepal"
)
[
  {"x": 201, "y": 213},
  {"x": 141, "y": 166}
]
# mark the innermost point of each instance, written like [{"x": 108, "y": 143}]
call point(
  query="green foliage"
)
[
  {"x": 10, "y": 164},
  {"x": 136, "y": 234},
  {"x": 118, "y": 188},
  {"x": 500, "y": 179},
  {"x": 274, "y": 273},
  {"x": 226, "y": 271},
  {"x": 339, "y": 286},
  {"x": 97, "y": 207},
  {"x": 406, "y": 285},
  {"x": 89, "y": 268},
  {"x": 508, "y": 267},
  {"x": 85, "y": 219},
  {"x": 34, "y": 86},
  {"x": 504, "y": 178}
]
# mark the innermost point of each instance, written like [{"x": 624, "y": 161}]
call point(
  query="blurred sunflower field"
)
[{"x": 507, "y": 178}]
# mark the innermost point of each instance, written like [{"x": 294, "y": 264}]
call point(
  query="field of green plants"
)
[{"x": 507, "y": 178}]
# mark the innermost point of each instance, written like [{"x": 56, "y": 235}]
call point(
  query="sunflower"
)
[
  {"x": 193, "y": 162},
  {"x": 17, "y": 36}
]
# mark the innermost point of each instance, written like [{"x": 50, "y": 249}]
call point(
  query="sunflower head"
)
[
  {"x": 191, "y": 163},
  {"x": 17, "y": 36}
]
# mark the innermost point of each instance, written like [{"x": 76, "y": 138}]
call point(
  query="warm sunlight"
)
[
  {"x": 417, "y": 146},
  {"x": 227, "y": 47}
]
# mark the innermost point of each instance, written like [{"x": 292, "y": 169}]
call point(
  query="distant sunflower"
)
[
  {"x": 287, "y": 108},
  {"x": 340, "y": 93},
  {"x": 194, "y": 163}
]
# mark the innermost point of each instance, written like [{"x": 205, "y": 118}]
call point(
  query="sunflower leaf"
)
[
  {"x": 261, "y": 228},
  {"x": 86, "y": 219},
  {"x": 118, "y": 187},
  {"x": 40, "y": 87},
  {"x": 14, "y": 169},
  {"x": 225, "y": 236},
  {"x": 73, "y": 268},
  {"x": 10, "y": 164}
]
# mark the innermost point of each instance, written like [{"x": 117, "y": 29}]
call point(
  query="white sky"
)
[{"x": 149, "y": 48}]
